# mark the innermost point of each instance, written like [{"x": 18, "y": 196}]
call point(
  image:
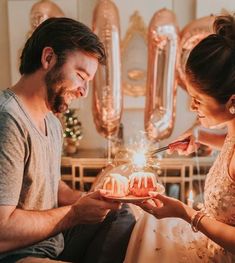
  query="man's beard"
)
[{"x": 55, "y": 90}]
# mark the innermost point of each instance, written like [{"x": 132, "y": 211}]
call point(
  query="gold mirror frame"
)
[
  {"x": 136, "y": 28},
  {"x": 41, "y": 11}
]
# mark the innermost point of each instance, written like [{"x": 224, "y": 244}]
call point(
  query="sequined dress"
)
[{"x": 172, "y": 240}]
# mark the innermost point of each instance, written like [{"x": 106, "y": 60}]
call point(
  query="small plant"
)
[{"x": 72, "y": 130}]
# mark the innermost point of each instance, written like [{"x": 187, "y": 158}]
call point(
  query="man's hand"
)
[{"x": 92, "y": 208}]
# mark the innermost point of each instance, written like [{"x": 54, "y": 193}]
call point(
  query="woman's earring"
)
[{"x": 232, "y": 109}]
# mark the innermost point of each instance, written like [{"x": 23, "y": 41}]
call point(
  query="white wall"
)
[{"x": 132, "y": 120}]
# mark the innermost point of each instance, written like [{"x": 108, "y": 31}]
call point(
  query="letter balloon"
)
[
  {"x": 191, "y": 35},
  {"x": 161, "y": 78}
]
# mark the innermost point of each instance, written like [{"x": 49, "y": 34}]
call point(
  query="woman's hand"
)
[
  {"x": 191, "y": 147},
  {"x": 162, "y": 206}
]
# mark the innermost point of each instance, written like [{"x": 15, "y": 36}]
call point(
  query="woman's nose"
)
[{"x": 193, "y": 106}]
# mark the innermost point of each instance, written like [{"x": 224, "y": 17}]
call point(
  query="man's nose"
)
[{"x": 86, "y": 88}]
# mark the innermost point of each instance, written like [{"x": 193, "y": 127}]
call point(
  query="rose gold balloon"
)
[
  {"x": 107, "y": 90},
  {"x": 161, "y": 80},
  {"x": 191, "y": 35}
]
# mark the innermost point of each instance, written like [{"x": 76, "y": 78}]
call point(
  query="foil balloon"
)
[
  {"x": 161, "y": 79},
  {"x": 107, "y": 90},
  {"x": 191, "y": 35}
]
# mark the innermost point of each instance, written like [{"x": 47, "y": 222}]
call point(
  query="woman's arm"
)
[
  {"x": 219, "y": 232},
  {"x": 210, "y": 138},
  {"x": 163, "y": 207},
  {"x": 196, "y": 136}
]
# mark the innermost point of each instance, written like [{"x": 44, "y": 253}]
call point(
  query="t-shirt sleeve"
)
[{"x": 12, "y": 158}]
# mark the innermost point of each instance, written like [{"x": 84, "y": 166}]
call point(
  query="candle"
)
[{"x": 190, "y": 200}]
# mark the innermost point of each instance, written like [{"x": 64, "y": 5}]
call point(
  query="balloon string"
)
[
  {"x": 109, "y": 151},
  {"x": 199, "y": 180}
]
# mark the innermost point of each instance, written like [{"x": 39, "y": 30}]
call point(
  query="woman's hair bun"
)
[{"x": 224, "y": 26}]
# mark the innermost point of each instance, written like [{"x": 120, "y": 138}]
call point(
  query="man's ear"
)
[{"x": 48, "y": 58}]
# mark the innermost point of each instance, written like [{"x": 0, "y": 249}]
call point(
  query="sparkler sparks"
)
[{"x": 139, "y": 159}]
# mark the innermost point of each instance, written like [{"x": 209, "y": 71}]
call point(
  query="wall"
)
[
  {"x": 132, "y": 120},
  {"x": 4, "y": 49}
]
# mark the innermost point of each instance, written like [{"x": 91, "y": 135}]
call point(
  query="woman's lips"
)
[{"x": 200, "y": 116}]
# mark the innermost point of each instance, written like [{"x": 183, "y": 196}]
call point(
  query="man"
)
[{"x": 57, "y": 62}]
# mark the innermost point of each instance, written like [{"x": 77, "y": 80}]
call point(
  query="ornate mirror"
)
[{"x": 134, "y": 57}]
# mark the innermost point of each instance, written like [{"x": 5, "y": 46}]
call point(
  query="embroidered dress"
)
[{"x": 172, "y": 239}]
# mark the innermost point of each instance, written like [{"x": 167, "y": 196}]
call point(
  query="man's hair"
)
[{"x": 63, "y": 35}]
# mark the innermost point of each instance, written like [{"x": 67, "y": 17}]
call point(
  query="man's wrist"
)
[{"x": 78, "y": 194}]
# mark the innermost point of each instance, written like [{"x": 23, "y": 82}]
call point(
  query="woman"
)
[{"x": 184, "y": 234}]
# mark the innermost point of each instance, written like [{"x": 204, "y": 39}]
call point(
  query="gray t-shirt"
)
[{"x": 29, "y": 165}]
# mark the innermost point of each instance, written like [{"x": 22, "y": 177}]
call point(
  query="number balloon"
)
[
  {"x": 161, "y": 79},
  {"x": 107, "y": 89}
]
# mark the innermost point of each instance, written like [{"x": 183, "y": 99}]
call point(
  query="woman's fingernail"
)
[{"x": 103, "y": 192}]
